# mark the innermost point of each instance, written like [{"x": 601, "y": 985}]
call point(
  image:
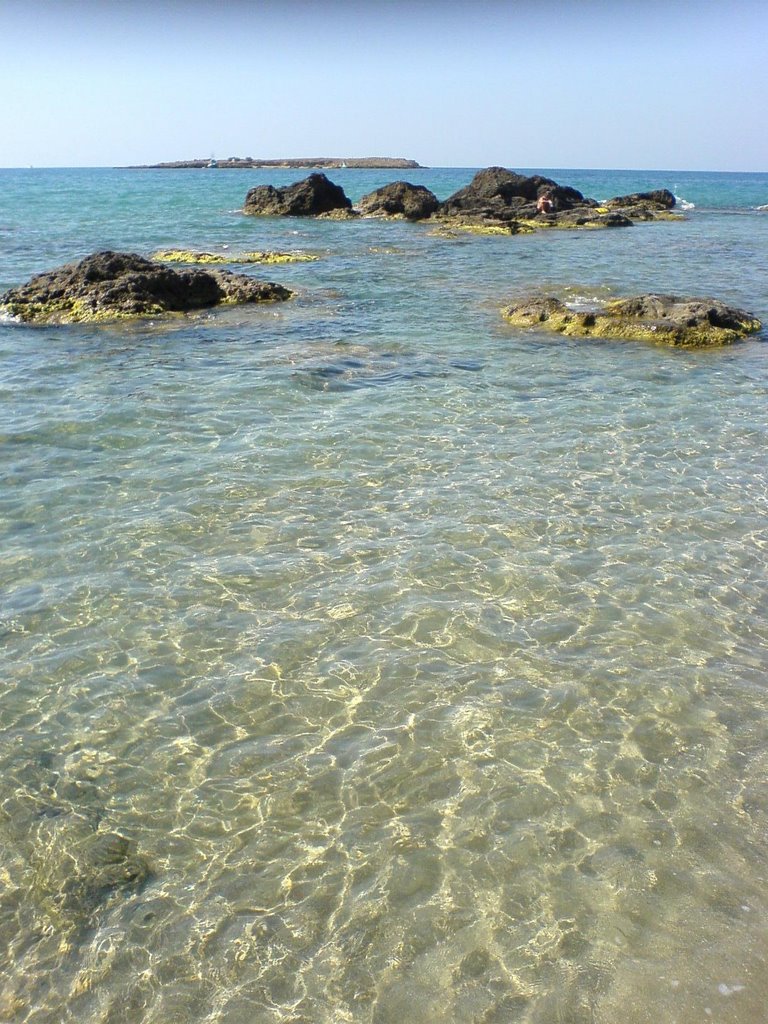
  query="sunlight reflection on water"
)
[{"x": 419, "y": 664}]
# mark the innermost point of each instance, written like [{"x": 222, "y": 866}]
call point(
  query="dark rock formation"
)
[
  {"x": 586, "y": 217},
  {"x": 400, "y": 199},
  {"x": 114, "y": 285},
  {"x": 655, "y": 205},
  {"x": 661, "y": 199},
  {"x": 668, "y": 319},
  {"x": 501, "y": 198},
  {"x": 500, "y": 195},
  {"x": 306, "y": 198}
]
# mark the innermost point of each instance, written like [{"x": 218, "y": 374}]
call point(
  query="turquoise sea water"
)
[{"x": 422, "y": 660}]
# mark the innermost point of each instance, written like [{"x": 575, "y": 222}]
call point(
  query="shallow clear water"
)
[{"x": 421, "y": 659}]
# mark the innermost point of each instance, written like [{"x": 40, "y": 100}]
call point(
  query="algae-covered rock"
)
[
  {"x": 502, "y": 198},
  {"x": 656, "y": 205},
  {"x": 114, "y": 286},
  {"x": 454, "y": 227},
  {"x": 583, "y": 217},
  {"x": 193, "y": 257},
  {"x": 306, "y": 198},
  {"x": 666, "y": 319},
  {"x": 400, "y": 199},
  {"x": 339, "y": 213}
]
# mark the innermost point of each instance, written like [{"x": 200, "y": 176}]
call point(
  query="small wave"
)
[
  {"x": 763, "y": 207},
  {"x": 684, "y": 204},
  {"x": 583, "y": 303}
]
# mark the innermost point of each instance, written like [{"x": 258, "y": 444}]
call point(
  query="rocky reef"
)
[
  {"x": 206, "y": 258},
  {"x": 496, "y": 201},
  {"x": 665, "y": 319},
  {"x": 497, "y": 197},
  {"x": 116, "y": 286},
  {"x": 498, "y": 194},
  {"x": 310, "y": 197}
]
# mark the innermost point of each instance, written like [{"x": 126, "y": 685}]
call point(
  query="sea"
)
[{"x": 365, "y": 659}]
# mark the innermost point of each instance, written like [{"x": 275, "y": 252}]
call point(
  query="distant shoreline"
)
[{"x": 248, "y": 162}]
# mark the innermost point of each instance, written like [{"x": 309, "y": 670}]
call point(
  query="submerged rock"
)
[
  {"x": 113, "y": 286},
  {"x": 667, "y": 319},
  {"x": 207, "y": 258},
  {"x": 77, "y": 868},
  {"x": 306, "y": 198},
  {"x": 400, "y": 199}
]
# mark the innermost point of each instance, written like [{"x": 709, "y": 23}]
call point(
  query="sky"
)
[{"x": 641, "y": 84}]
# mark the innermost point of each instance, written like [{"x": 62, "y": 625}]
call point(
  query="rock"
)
[
  {"x": 667, "y": 319},
  {"x": 76, "y": 869},
  {"x": 661, "y": 199},
  {"x": 453, "y": 227},
  {"x": 400, "y": 199},
  {"x": 306, "y": 198},
  {"x": 502, "y": 195},
  {"x": 113, "y": 286},
  {"x": 192, "y": 256},
  {"x": 339, "y": 214},
  {"x": 499, "y": 197},
  {"x": 657, "y": 205},
  {"x": 587, "y": 217}
]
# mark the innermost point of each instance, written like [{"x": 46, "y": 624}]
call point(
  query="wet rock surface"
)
[
  {"x": 113, "y": 286},
  {"x": 666, "y": 319},
  {"x": 306, "y": 198}
]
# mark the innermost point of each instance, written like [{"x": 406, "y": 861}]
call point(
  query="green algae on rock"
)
[
  {"x": 191, "y": 256},
  {"x": 665, "y": 319},
  {"x": 453, "y": 227},
  {"x": 500, "y": 197},
  {"x": 108, "y": 286}
]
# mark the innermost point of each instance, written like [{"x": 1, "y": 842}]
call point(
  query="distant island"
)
[{"x": 246, "y": 162}]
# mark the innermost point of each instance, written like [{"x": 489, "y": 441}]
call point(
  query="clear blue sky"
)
[{"x": 681, "y": 84}]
